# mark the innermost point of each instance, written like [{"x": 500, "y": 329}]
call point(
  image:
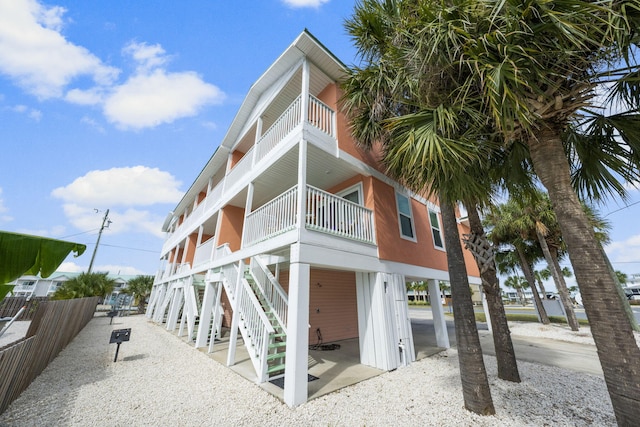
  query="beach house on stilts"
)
[{"x": 291, "y": 231}]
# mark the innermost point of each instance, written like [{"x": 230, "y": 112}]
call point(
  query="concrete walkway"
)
[{"x": 546, "y": 351}]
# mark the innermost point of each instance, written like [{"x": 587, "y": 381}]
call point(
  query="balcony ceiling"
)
[{"x": 323, "y": 171}]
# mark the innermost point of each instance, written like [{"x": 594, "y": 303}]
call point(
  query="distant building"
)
[{"x": 36, "y": 286}]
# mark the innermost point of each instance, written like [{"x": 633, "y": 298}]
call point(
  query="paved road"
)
[{"x": 577, "y": 357}]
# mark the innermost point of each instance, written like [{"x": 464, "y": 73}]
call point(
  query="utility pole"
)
[{"x": 104, "y": 221}]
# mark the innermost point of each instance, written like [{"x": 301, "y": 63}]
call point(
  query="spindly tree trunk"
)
[
  {"x": 475, "y": 385},
  {"x": 558, "y": 279},
  {"x": 617, "y": 349},
  {"x": 622, "y": 295},
  {"x": 528, "y": 274},
  {"x": 543, "y": 291},
  {"x": 483, "y": 253}
]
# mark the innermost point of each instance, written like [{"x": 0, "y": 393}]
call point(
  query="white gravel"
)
[{"x": 161, "y": 381}]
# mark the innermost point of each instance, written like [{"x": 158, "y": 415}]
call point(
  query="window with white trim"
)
[
  {"x": 405, "y": 218},
  {"x": 436, "y": 229}
]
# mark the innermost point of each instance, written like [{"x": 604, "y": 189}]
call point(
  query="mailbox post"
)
[{"x": 118, "y": 336}]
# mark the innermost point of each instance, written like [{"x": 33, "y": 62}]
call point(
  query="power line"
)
[
  {"x": 133, "y": 249},
  {"x": 622, "y": 208}
]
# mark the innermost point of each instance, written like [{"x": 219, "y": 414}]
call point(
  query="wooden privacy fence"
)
[
  {"x": 10, "y": 306},
  {"x": 54, "y": 325}
]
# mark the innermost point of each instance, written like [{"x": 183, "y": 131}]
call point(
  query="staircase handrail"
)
[
  {"x": 275, "y": 296},
  {"x": 258, "y": 327}
]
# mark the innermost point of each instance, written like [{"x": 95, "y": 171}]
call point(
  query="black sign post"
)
[{"x": 118, "y": 336}]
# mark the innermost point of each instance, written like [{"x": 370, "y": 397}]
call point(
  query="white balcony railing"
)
[
  {"x": 331, "y": 214},
  {"x": 275, "y": 217},
  {"x": 321, "y": 115},
  {"x": 279, "y": 130},
  {"x": 239, "y": 170},
  {"x": 204, "y": 252}
]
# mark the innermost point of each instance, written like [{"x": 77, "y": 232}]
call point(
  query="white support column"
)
[
  {"x": 200, "y": 233},
  {"x": 485, "y": 307},
  {"x": 439, "y": 322},
  {"x": 296, "y": 364},
  {"x": 302, "y": 186},
  {"x": 176, "y": 304},
  {"x": 247, "y": 210},
  {"x": 304, "y": 97},
  {"x": 205, "y": 315},
  {"x": 257, "y": 139},
  {"x": 233, "y": 336},
  {"x": 217, "y": 316}
]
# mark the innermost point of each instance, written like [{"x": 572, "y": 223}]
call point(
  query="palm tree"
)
[
  {"x": 484, "y": 254},
  {"x": 374, "y": 96},
  {"x": 518, "y": 283},
  {"x": 467, "y": 73},
  {"x": 502, "y": 220},
  {"x": 140, "y": 286},
  {"x": 85, "y": 285},
  {"x": 540, "y": 276}
]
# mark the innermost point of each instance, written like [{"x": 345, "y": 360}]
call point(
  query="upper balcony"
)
[{"x": 285, "y": 130}]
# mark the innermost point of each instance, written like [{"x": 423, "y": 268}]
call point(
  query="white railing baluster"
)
[
  {"x": 275, "y": 217},
  {"x": 331, "y": 214}
]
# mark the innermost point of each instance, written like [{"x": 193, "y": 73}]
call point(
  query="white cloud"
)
[
  {"x": 304, "y": 3},
  {"x": 32, "y": 113},
  {"x": 147, "y": 57},
  {"x": 37, "y": 57},
  {"x": 126, "y": 186},
  {"x": 92, "y": 123},
  {"x": 625, "y": 251},
  {"x": 123, "y": 191},
  {"x": 70, "y": 267},
  {"x": 148, "y": 100},
  {"x": 93, "y": 96}
]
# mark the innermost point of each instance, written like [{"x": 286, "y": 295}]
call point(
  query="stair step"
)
[
  {"x": 274, "y": 356},
  {"x": 275, "y": 368},
  {"x": 277, "y": 344}
]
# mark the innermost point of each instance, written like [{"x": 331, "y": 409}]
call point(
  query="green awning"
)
[{"x": 22, "y": 254}]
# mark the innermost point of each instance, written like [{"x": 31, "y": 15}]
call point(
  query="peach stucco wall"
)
[
  {"x": 231, "y": 227},
  {"x": 330, "y": 95},
  {"x": 332, "y": 304},
  {"x": 392, "y": 247},
  {"x": 235, "y": 158},
  {"x": 191, "y": 247}
]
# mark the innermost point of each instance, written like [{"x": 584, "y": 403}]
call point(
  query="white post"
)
[
  {"x": 205, "y": 315},
  {"x": 217, "y": 315},
  {"x": 439, "y": 322},
  {"x": 485, "y": 307},
  {"x": 304, "y": 104},
  {"x": 296, "y": 364},
  {"x": 302, "y": 186},
  {"x": 247, "y": 210},
  {"x": 233, "y": 337}
]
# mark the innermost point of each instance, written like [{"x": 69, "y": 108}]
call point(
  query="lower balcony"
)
[{"x": 324, "y": 212}]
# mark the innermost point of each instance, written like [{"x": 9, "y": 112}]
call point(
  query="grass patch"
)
[
  {"x": 480, "y": 317},
  {"x": 419, "y": 303},
  {"x": 534, "y": 318}
]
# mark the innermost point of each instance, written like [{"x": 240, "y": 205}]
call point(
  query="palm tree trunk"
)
[
  {"x": 505, "y": 355},
  {"x": 561, "y": 286},
  {"x": 475, "y": 384},
  {"x": 543, "y": 291},
  {"x": 617, "y": 349},
  {"x": 564, "y": 293},
  {"x": 623, "y": 297},
  {"x": 528, "y": 274}
]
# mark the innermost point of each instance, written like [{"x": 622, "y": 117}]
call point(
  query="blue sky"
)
[{"x": 118, "y": 105}]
